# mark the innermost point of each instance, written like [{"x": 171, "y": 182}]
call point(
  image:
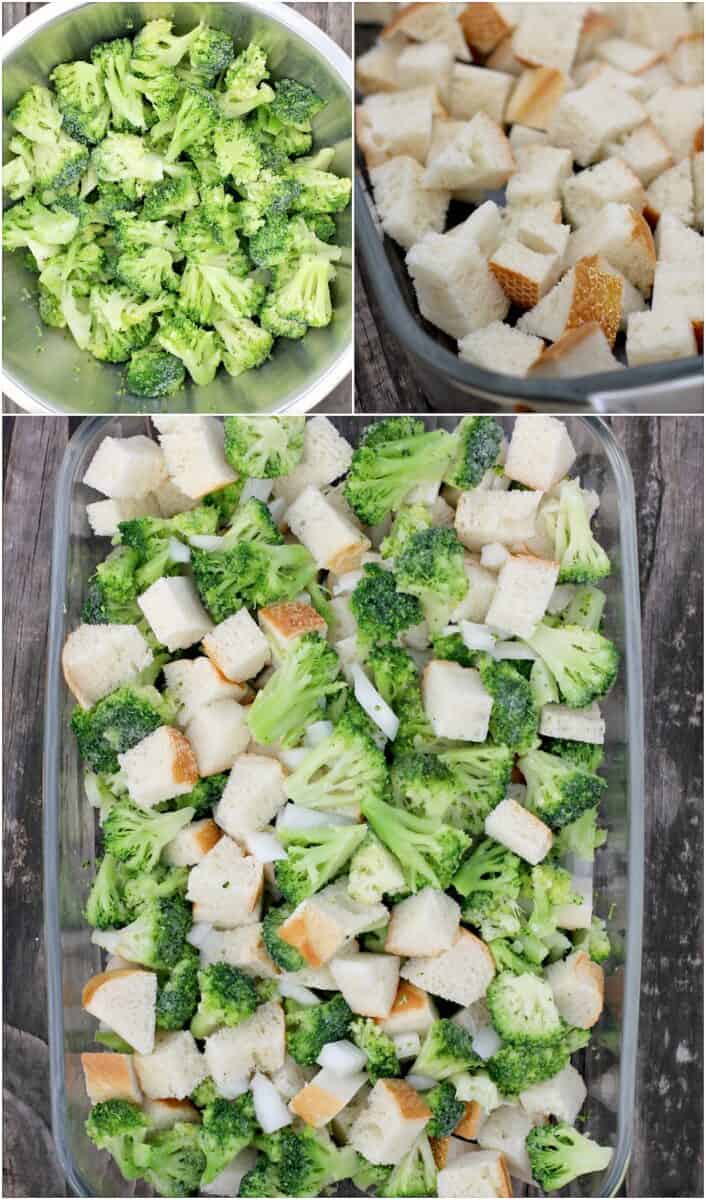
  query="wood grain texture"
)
[
  {"x": 334, "y": 19},
  {"x": 666, "y": 457}
]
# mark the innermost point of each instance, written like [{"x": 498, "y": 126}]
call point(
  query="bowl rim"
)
[{"x": 341, "y": 64}]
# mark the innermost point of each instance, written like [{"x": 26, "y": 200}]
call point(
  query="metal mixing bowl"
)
[{"x": 43, "y": 369}]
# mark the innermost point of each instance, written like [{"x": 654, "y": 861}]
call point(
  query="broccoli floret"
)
[
  {"x": 17, "y": 179},
  {"x": 423, "y": 784},
  {"x": 199, "y": 234},
  {"x": 550, "y": 889},
  {"x": 228, "y": 1127},
  {"x": 339, "y": 771},
  {"x": 118, "y": 325},
  {"x": 303, "y": 296},
  {"x": 125, "y": 159},
  {"x": 83, "y": 101},
  {"x": 244, "y": 85},
  {"x": 514, "y": 719},
  {"x": 228, "y": 997},
  {"x": 134, "y": 232},
  {"x": 595, "y": 941},
  {"x": 164, "y": 93},
  {"x": 112, "y": 591},
  {"x": 147, "y": 271},
  {"x": 559, "y": 1153},
  {"x": 309, "y": 1028},
  {"x": 196, "y": 118},
  {"x": 277, "y": 325},
  {"x": 117, "y": 723},
  {"x": 154, "y": 372},
  {"x": 516, "y": 1067},
  {"x": 285, "y": 956},
  {"x": 477, "y": 442},
  {"x": 408, "y": 520},
  {"x": 202, "y": 797},
  {"x": 246, "y": 345},
  {"x": 378, "y": 1048},
  {"x": 171, "y": 198},
  {"x": 37, "y": 115},
  {"x": 205, "y": 1093},
  {"x": 178, "y": 997},
  {"x": 522, "y": 1009},
  {"x": 583, "y": 662},
  {"x": 272, "y": 244},
  {"x": 164, "y": 881},
  {"x": 252, "y": 574},
  {"x": 238, "y": 152},
  {"x": 431, "y": 567},
  {"x": 495, "y": 916},
  {"x": 151, "y": 537},
  {"x": 264, "y": 447},
  {"x": 295, "y": 103},
  {"x": 317, "y": 190},
  {"x": 172, "y": 1161},
  {"x": 106, "y": 906},
  {"x": 509, "y": 955},
  {"x": 585, "y": 608},
  {"x": 446, "y": 1109},
  {"x": 306, "y": 1161},
  {"x": 581, "y": 837},
  {"x": 415, "y": 1173},
  {"x": 111, "y": 1041},
  {"x": 394, "y": 673},
  {"x": 314, "y": 857},
  {"x": 156, "y": 48},
  {"x": 42, "y": 229},
  {"x": 200, "y": 350},
  {"x": 482, "y": 774},
  {"x": 371, "y": 1177},
  {"x": 490, "y": 868},
  {"x": 382, "y": 612},
  {"x": 253, "y": 522},
  {"x": 261, "y": 1180},
  {"x": 210, "y": 54},
  {"x": 113, "y": 61},
  {"x": 580, "y": 558},
  {"x": 137, "y": 838},
  {"x": 157, "y": 938},
  {"x": 395, "y": 454},
  {"x": 585, "y": 755},
  {"x": 446, "y": 1050},
  {"x": 428, "y": 851},
  {"x": 557, "y": 791},
  {"x": 292, "y": 697},
  {"x": 219, "y": 287},
  {"x": 225, "y": 500},
  {"x": 373, "y": 873},
  {"x": 451, "y": 647},
  {"x": 119, "y": 1127},
  {"x": 111, "y": 200}
]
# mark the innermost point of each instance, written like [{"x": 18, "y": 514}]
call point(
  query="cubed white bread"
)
[
  {"x": 503, "y": 59},
  {"x": 171, "y": 500},
  {"x": 631, "y": 299},
  {"x": 656, "y": 25},
  {"x": 505, "y": 1130},
  {"x": 126, "y": 468},
  {"x": 195, "y": 458},
  {"x": 475, "y": 158},
  {"x": 174, "y": 612},
  {"x": 406, "y": 209},
  {"x": 522, "y": 135},
  {"x": 345, "y": 1120},
  {"x": 253, "y": 795},
  {"x": 423, "y": 924},
  {"x": 536, "y": 96},
  {"x": 697, "y": 166},
  {"x": 540, "y": 452},
  {"x": 627, "y": 56},
  {"x": 678, "y": 115},
  {"x": 218, "y": 733},
  {"x": 659, "y": 336},
  {"x": 426, "y": 64},
  {"x": 524, "y": 275},
  {"x": 653, "y": 79},
  {"x": 110, "y": 1077},
  {"x": 429, "y": 22},
  {"x": 368, "y": 982},
  {"x": 520, "y": 830},
  {"x": 587, "y": 292},
  {"x": 515, "y": 217},
  {"x": 104, "y": 516},
  {"x": 686, "y": 61},
  {"x": 548, "y": 35},
  {"x": 176, "y": 422},
  {"x": 195, "y": 682},
  {"x": 505, "y": 517},
  {"x": 375, "y": 70},
  {"x": 540, "y": 173},
  {"x": 675, "y": 243},
  {"x": 485, "y": 25},
  {"x": 323, "y": 1098},
  {"x": 679, "y": 288},
  {"x": 321, "y": 925},
  {"x": 644, "y": 151},
  {"x": 696, "y": 18},
  {"x": 562, "y": 1096},
  {"x": 589, "y": 191},
  {"x": 595, "y": 28},
  {"x": 455, "y": 289},
  {"x": 159, "y": 767},
  {"x": 481, "y": 585},
  {"x": 192, "y": 843},
  {"x": 500, "y": 347},
  {"x": 96, "y": 659},
  {"x": 525, "y": 586},
  {"x": 589, "y": 117},
  {"x": 582, "y": 351},
  {"x": 633, "y": 84},
  {"x": 477, "y": 89},
  {"x": 125, "y": 1001},
  {"x": 671, "y": 192},
  {"x": 283, "y": 623},
  {"x": 390, "y": 1123},
  {"x": 390, "y": 124},
  {"x": 256, "y": 1044},
  {"x": 237, "y": 647},
  {"x": 576, "y": 724},
  {"x": 332, "y": 540},
  {"x": 477, "y": 1173},
  {"x": 539, "y": 232},
  {"x": 413, "y": 1011},
  {"x": 242, "y": 947},
  {"x": 326, "y": 456},
  {"x": 578, "y": 986},
  {"x": 461, "y": 974},
  {"x": 483, "y": 227},
  {"x": 173, "y": 1069},
  {"x": 166, "y": 1113},
  {"x": 225, "y": 888},
  {"x": 455, "y": 701},
  {"x": 290, "y": 1078}
]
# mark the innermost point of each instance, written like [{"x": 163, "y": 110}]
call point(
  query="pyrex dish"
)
[
  {"x": 61, "y": 378},
  {"x": 70, "y": 838}
]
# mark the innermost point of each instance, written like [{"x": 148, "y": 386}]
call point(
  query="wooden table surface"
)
[
  {"x": 335, "y": 20},
  {"x": 666, "y": 455}
]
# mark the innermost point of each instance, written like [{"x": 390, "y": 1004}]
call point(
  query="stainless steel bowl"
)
[{"x": 43, "y": 369}]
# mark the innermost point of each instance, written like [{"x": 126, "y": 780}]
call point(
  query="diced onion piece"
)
[
  {"x": 514, "y": 650},
  {"x": 264, "y": 846},
  {"x": 199, "y": 934},
  {"x": 297, "y": 991},
  {"x": 318, "y": 732},
  {"x": 206, "y": 541},
  {"x": 342, "y": 1058},
  {"x": 421, "y": 1083},
  {"x": 477, "y": 637},
  {"x": 407, "y": 1045},
  {"x": 486, "y": 1042},
  {"x": 277, "y": 508},
  {"x": 234, "y": 1088},
  {"x": 296, "y": 816},
  {"x": 258, "y": 489},
  {"x": 107, "y": 939},
  {"x": 270, "y": 1110},
  {"x": 292, "y": 758},
  {"x": 494, "y": 556},
  {"x": 179, "y": 552},
  {"x": 341, "y": 585},
  {"x": 373, "y": 704}
]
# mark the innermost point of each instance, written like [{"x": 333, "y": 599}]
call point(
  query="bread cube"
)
[
  {"x": 476, "y": 156},
  {"x": 256, "y": 1044},
  {"x": 225, "y": 887},
  {"x": 368, "y": 982},
  {"x": 375, "y": 70},
  {"x": 192, "y": 843},
  {"x": 455, "y": 289},
  {"x": 333, "y": 541},
  {"x": 218, "y": 733},
  {"x": 253, "y": 795},
  {"x": 686, "y": 60},
  {"x": 428, "y": 23},
  {"x": 477, "y": 89},
  {"x": 643, "y": 150},
  {"x": 325, "y": 457},
  {"x": 104, "y": 516},
  {"x": 581, "y": 351},
  {"x": 587, "y": 293},
  {"x": 110, "y": 1077},
  {"x": 194, "y": 683},
  {"x": 455, "y": 701},
  {"x": 500, "y": 347},
  {"x": 97, "y": 659},
  {"x": 477, "y": 1173},
  {"x": 548, "y": 36},
  {"x": 525, "y": 586},
  {"x": 671, "y": 192},
  {"x": 505, "y": 1130},
  {"x": 656, "y": 25},
  {"x": 523, "y": 274},
  {"x": 407, "y": 210},
  {"x": 481, "y": 585},
  {"x": 588, "y": 118},
  {"x": 520, "y": 830},
  {"x": 388, "y": 125},
  {"x": 283, "y": 623},
  {"x": 577, "y": 985},
  {"x": 679, "y": 288},
  {"x": 160, "y": 767},
  {"x": 390, "y": 1123},
  {"x": 460, "y": 974},
  {"x": 174, "y": 612},
  {"x": 165, "y": 1114},
  {"x": 242, "y": 947},
  {"x": 237, "y": 648},
  {"x": 482, "y": 227},
  {"x": 523, "y": 135},
  {"x": 677, "y": 244},
  {"x": 678, "y": 115},
  {"x": 486, "y": 25},
  {"x": 596, "y": 27},
  {"x": 126, "y": 468},
  {"x": 610, "y": 181},
  {"x": 413, "y": 1011},
  {"x": 576, "y": 724},
  {"x": 124, "y": 1000},
  {"x": 562, "y": 1097},
  {"x": 173, "y": 1069},
  {"x": 658, "y": 336},
  {"x": 540, "y": 173},
  {"x": 321, "y": 925},
  {"x": 171, "y": 500},
  {"x": 426, "y": 64},
  {"x": 423, "y": 925},
  {"x": 628, "y": 56},
  {"x": 505, "y": 517},
  {"x": 536, "y": 96},
  {"x": 540, "y": 453},
  {"x": 324, "y": 1096},
  {"x": 195, "y": 458}
]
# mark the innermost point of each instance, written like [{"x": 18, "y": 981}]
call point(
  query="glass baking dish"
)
[{"x": 70, "y": 838}]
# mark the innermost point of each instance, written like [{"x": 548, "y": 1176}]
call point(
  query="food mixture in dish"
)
[
  {"x": 339, "y": 710},
  {"x": 170, "y": 206},
  {"x": 575, "y": 132}
]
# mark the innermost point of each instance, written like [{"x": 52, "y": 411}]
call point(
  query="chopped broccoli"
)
[
  {"x": 113, "y": 60},
  {"x": 415, "y": 1173},
  {"x": 238, "y": 152},
  {"x": 514, "y": 719},
  {"x": 156, "y": 48},
  {"x": 447, "y": 1050},
  {"x": 202, "y": 797},
  {"x": 137, "y": 838},
  {"x": 477, "y": 442},
  {"x": 428, "y": 851},
  {"x": 446, "y": 1109},
  {"x": 205, "y": 1093},
  {"x": 509, "y": 955},
  {"x": 492, "y": 868},
  {"x": 154, "y": 372},
  {"x": 549, "y": 888},
  {"x": 394, "y": 673},
  {"x": 37, "y": 115},
  {"x": 261, "y": 1180},
  {"x": 558, "y": 791},
  {"x": 379, "y": 1049},
  {"x": 583, "y": 662},
  {"x": 196, "y": 118},
  {"x": 595, "y": 941},
  {"x": 117, "y": 723},
  {"x": 340, "y": 771},
  {"x": 83, "y": 101},
  {"x": 171, "y": 198},
  {"x": 522, "y": 1009},
  {"x": 246, "y": 346},
  {"x": 381, "y": 610},
  {"x": 119, "y": 1127},
  {"x": 585, "y": 608},
  {"x": 581, "y": 837},
  {"x": 431, "y": 567},
  {"x": 374, "y": 872},
  {"x": 394, "y": 456},
  {"x": 228, "y": 1127},
  {"x": 292, "y": 697},
  {"x": 516, "y": 1067},
  {"x": 252, "y": 522},
  {"x": 423, "y": 784},
  {"x": 106, "y": 906},
  {"x": 157, "y": 938},
  {"x": 371, "y": 1177},
  {"x": 580, "y": 558},
  {"x": 495, "y": 916},
  {"x": 178, "y": 996},
  {"x": 172, "y": 1161},
  {"x": 112, "y": 591},
  {"x": 317, "y": 190},
  {"x": 286, "y": 957},
  {"x": 124, "y": 158},
  {"x": 210, "y": 54},
  {"x": 163, "y": 881},
  {"x": 559, "y": 1153},
  {"x": 304, "y": 296},
  {"x": 42, "y": 229},
  {"x": 482, "y": 774},
  {"x": 264, "y": 447},
  {"x": 311, "y": 1027},
  {"x": 408, "y": 520},
  {"x": 200, "y": 350},
  {"x": 314, "y": 857},
  {"x": 306, "y": 1161},
  {"x": 295, "y": 103},
  {"x": 228, "y": 997},
  {"x": 255, "y": 574}
]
